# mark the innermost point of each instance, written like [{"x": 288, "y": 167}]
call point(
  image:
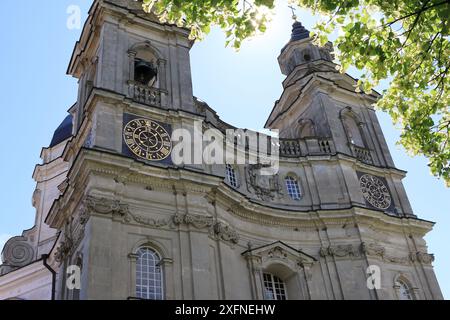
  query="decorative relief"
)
[
  {"x": 217, "y": 229},
  {"x": 375, "y": 191},
  {"x": 63, "y": 250},
  {"x": 75, "y": 233},
  {"x": 422, "y": 257},
  {"x": 106, "y": 206},
  {"x": 71, "y": 242},
  {"x": 339, "y": 251},
  {"x": 147, "y": 221},
  {"x": 277, "y": 253},
  {"x": 266, "y": 187},
  {"x": 17, "y": 252},
  {"x": 399, "y": 260},
  {"x": 264, "y": 256},
  {"x": 199, "y": 222},
  {"x": 372, "y": 249},
  {"x": 225, "y": 232},
  {"x": 377, "y": 251}
]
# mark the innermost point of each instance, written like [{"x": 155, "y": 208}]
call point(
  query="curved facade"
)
[{"x": 332, "y": 222}]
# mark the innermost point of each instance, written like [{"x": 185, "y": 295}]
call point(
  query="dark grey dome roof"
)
[
  {"x": 63, "y": 132},
  {"x": 299, "y": 32}
]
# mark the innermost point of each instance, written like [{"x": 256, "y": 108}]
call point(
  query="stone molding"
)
[
  {"x": 379, "y": 252},
  {"x": 372, "y": 250},
  {"x": 239, "y": 205},
  {"x": 217, "y": 229}
]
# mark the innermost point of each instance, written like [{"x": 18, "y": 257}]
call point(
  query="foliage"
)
[{"x": 405, "y": 41}]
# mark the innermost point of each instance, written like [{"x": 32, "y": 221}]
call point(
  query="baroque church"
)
[{"x": 117, "y": 219}]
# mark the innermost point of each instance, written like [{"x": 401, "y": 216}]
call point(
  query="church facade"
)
[{"x": 117, "y": 218}]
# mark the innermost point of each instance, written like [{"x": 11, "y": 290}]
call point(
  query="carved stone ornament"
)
[
  {"x": 278, "y": 251},
  {"x": 17, "y": 252},
  {"x": 422, "y": 257},
  {"x": 226, "y": 233},
  {"x": 372, "y": 249},
  {"x": 217, "y": 229},
  {"x": 106, "y": 206},
  {"x": 377, "y": 251},
  {"x": 266, "y": 187},
  {"x": 63, "y": 250},
  {"x": 339, "y": 251},
  {"x": 375, "y": 191},
  {"x": 75, "y": 232},
  {"x": 71, "y": 242}
]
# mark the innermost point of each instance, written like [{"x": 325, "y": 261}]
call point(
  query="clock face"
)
[
  {"x": 375, "y": 191},
  {"x": 147, "y": 139}
]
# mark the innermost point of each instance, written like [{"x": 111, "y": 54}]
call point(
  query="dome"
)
[
  {"x": 299, "y": 32},
  {"x": 63, "y": 132}
]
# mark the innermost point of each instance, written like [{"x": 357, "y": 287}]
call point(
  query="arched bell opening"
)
[{"x": 145, "y": 73}]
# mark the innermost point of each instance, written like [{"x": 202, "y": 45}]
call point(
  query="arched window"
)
[
  {"x": 274, "y": 287},
  {"x": 231, "y": 176},
  {"x": 149, "y": 276},
  {"x": 353, "y": 131},
  {"x": 306, "y": 128},
  {"x": 147, "y": 66},
  {"x": 293, "y": 188},
  {"x": 404, "y": 291}
]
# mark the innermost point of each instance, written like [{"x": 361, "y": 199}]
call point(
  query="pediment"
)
[{"x": 279, "y": 251}]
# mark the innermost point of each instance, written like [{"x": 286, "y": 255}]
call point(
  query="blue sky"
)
[{"x": 240, "y": 86}]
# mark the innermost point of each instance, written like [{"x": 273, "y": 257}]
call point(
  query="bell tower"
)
[
  {"x": 129, "y": 54},
  {"x": 319, "y": 101},
  {"x": 134, "y": 87},
  {"x": 320, "y": 112}
]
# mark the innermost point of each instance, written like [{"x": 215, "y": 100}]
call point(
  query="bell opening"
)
[{"x": 145, "y": 73}]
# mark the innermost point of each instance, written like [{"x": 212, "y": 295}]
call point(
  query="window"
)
[
  {"x": 231, "y": 176},
  {"x": 404, "y": 291},
  {"x": 293, "y": 188},
  {"x": 274, "y": 287},
  {"x": 353, "y": 131},
  {"x": 149, "y": 276}
]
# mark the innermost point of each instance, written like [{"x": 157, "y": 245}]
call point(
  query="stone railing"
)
[
  {"x": 361, "y": 154},
  {"x": 304, "y": 147},
  {"x": 290, "y": 148},
  {"x": 145, "y": 95}
]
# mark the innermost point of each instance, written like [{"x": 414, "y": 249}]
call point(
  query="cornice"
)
[{"x": 242, "y": 207}]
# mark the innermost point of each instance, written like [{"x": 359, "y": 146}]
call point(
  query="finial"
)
[{"x": 294, "y": 16}]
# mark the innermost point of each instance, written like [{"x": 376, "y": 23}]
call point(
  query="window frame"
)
[
  {"x": 407, "y": 291},
  {"x": 292, "y": 185},
  {"x": 279, "y": 293},
  {"x": 231, "y": 174},
  {"x": 139, "y": 279}
]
